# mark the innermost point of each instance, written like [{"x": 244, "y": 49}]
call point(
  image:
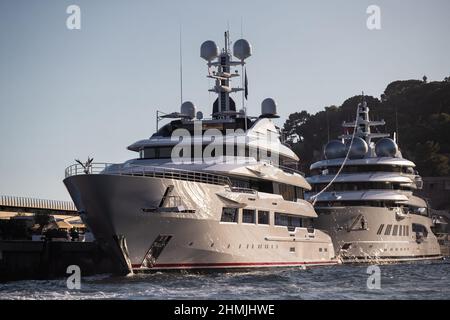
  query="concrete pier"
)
[{"x": 20, "y": 260}]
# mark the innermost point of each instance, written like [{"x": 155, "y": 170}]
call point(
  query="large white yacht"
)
[
  {"x": 363, "y": 194},
  {"x": 204, "y": 193}
]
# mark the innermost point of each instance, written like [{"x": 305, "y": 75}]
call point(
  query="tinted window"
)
[
  {"x": 148, "y": 153},
  {"x": 395, "y": 230},
  {"x": 229, "y": 215},
  {"x": 248, "y": 216},
  {"x": 263, "y": 217},
  {"x": 165, "y": 152},
  {"x": 419, "y": 228},
  {"x": 287, "y": 220}
]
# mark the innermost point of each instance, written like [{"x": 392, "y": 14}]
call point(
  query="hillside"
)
[{"x": 421, "y": 109}]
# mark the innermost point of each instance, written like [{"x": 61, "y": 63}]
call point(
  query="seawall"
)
[{"x": 20, "y": 260}]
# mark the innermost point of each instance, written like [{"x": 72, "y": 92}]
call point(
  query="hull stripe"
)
[{"x": 232, "y": 264}]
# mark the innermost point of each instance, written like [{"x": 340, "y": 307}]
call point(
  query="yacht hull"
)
[
  {"x": 384, "y": 236},
  {"x": 130, "y": 219}
]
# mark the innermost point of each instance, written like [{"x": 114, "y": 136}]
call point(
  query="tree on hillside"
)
[
  {"x": 428, "y": 159},
  {"x": 399, "y": 87}
]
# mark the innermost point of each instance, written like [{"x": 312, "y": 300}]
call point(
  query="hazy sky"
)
[{"x": 67, "y": 94}]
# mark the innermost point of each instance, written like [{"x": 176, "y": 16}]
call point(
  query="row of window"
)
[
  {"x": 289, "y": 192},
  {"x": 356, "y": 186},
  {"x": 261, "y": 217},
  {"x": 365, "y": 169},
  {"x": 378, "y": 204},
  {"x": 260, "y": 246},
  {"x": 394, "y": 230},
  {"x": 402, "y": 230},
  {"x": 222, "y": 150}
]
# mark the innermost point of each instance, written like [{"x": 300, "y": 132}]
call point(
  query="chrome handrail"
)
[{"x": 147, "y": 171}]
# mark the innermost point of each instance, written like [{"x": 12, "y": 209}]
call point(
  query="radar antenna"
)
[{"x": 224, "y": 107}]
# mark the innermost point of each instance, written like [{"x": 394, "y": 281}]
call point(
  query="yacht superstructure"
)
[
  {"x": 363, "y": 194},
  {"x": 204, "y": 193}
]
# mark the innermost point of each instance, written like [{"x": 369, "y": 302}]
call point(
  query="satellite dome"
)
[
  {"x": 334, "y": 149},
  {"x": 209, "y": 50},
  {"x": 199, "y": 115},
  {"x": 269, "y": 108},
  {"x": 386, "y": 148},
  {"x": 188, "y": 109},
  {"x": 359, "y": 148},
  {"x": 242, "y": 49}
]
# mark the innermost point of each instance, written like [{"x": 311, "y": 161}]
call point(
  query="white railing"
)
[
  {"x": 147, "y": 171},
  {"x": 242, "y": 190},
  {"x": 291, "y": 170}
]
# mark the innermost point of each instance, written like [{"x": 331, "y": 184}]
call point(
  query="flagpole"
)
[{"x": 242, "y": 79}]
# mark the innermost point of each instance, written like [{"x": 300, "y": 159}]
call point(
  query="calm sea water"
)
[{"x": 421, "y": 280}]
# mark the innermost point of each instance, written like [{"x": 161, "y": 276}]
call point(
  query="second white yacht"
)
[
  {"x": 204, "y": 193},
  {"x": 363, "y": 193}
]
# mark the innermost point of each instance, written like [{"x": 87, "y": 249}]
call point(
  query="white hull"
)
[
  {"x": 119, "y": 209},
  {"x": 353, "y": 243}
]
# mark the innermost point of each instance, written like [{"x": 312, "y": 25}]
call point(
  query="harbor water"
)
[{"x": 417, "y": 280}]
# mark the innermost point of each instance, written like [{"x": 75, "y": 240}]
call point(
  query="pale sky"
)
[{"x": 67, "y": 94}]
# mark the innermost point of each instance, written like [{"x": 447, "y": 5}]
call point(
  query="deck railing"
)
[
  {"x": 147, "y": 171},
  {"x": 291, "y": 170}
]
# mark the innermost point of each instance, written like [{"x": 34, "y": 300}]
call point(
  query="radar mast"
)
[{"x": 224, "y": 107}]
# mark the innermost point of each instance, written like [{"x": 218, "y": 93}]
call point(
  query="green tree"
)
[{"x": 432, "y": 163}]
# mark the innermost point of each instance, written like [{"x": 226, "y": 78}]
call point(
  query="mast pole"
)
[{"x": 181, "y": 69}]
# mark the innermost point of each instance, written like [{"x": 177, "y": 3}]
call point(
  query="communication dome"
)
[
  {"x": 242, "y": 49},
  {"x": 359, "y": 148},
  {"x": 269, "y": 108},
  {"x": 334, "y": 149},
  {"x": 386, "y": 148},
  {"x": 209, "y": 50},
  {"x": 199, "y": 115},
  {"x": 188, "y": 109}
]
